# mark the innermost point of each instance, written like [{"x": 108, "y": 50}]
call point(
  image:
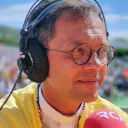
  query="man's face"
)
[{"x": 67, "y": 79}]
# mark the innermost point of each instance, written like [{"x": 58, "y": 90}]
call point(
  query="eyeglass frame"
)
[{"x": 71, "y": 53}]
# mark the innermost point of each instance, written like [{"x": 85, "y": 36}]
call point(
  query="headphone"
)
[{"x": 33, "y": 59}]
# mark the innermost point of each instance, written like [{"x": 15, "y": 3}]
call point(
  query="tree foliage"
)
[
  {"x": 120, "y": 39},
  {"x": 9, "y": 35},
  {"x": 121, "y": 52}
]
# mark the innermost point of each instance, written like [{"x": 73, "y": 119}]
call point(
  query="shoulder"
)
[
  {"x": 19, "y": 108},
  {"x": 20, "y": 95},
  {"x": 101, "y": 103}
]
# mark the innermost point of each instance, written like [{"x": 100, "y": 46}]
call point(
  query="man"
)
[{"x": 78, "y": 53}]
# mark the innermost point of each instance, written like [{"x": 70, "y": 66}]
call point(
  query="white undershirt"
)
[{"x": 53, "y": 119}]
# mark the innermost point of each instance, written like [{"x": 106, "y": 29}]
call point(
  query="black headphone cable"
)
[{"x": 11, "y": 90}]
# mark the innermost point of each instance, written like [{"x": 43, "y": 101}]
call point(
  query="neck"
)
[{"x": 59, "y": 103}]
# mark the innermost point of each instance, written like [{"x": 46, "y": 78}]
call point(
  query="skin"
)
[{"x": 69, "y": 84}]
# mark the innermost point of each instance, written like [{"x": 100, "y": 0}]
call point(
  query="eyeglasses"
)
[{"x": 82, "y": 54}]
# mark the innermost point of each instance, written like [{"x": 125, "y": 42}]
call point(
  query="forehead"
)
[{"x": 86, "y": 30}]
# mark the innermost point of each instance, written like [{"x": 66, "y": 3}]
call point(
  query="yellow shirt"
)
[{"x": 21, "y": 109}]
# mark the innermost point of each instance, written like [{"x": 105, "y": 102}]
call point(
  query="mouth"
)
[{"x": 89, "y": 81}]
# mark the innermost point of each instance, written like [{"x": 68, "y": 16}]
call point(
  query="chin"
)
[
  {"x": 90, "y": 98},
  {"x": 85, "y": 96}
]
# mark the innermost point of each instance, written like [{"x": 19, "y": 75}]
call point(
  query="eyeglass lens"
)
[{"x": 82, "y": 54}]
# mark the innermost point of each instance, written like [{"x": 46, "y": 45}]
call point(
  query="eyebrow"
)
[{"x": 75, "y": 43}]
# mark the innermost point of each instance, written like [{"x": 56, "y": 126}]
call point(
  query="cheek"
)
[
  {"x": 62, "y": 70},
  {"x": 103, "y": 74}
]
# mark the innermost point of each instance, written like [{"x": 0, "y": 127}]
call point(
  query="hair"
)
[{"x": 45, "y": 29}]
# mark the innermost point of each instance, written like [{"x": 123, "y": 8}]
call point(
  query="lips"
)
[{"x": 89, "y": 81}]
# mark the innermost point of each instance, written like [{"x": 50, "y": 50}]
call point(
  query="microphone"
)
[{"x": 104, "y": 118}]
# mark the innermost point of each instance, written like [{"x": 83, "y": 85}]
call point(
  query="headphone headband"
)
[
  {"x": 30, "y": 11},
  {"x": 27, "y": 28},
  {"x": 40, "y": 16}
]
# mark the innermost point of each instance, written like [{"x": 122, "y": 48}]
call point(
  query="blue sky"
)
[{"x": 13, "y": 12}]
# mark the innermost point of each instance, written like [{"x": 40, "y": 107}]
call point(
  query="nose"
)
[{"x": 93, "y": 63}]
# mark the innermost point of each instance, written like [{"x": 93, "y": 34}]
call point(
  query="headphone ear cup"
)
[{"x": 36, "y": 61}]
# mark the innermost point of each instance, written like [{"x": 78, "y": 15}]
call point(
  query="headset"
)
[{"x": 33, "y": 58}]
